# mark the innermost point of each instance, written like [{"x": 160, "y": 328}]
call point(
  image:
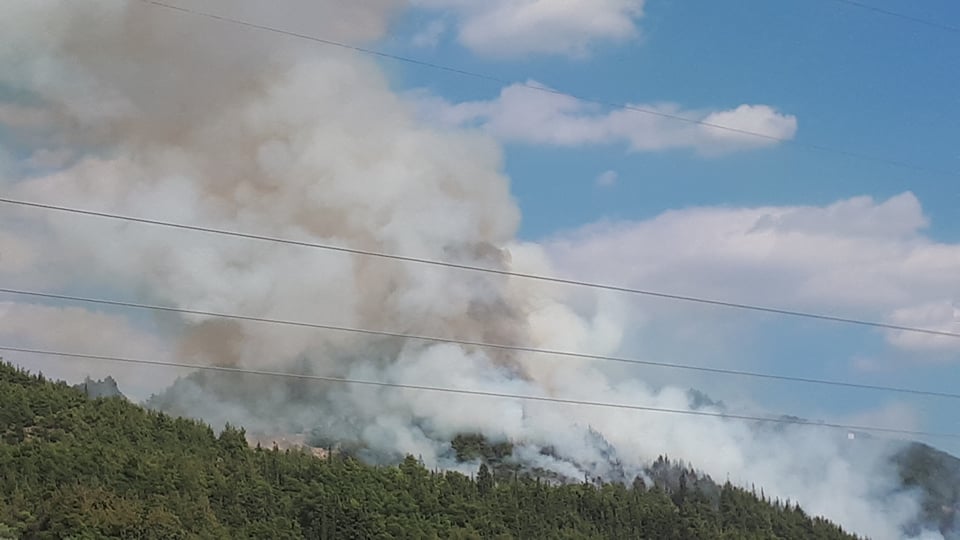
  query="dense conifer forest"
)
[{"x": 72, "y": 466}]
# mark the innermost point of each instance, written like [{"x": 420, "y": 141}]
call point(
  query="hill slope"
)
[
  {"x": 104, "y": 467},
  {"x": 937, "y": 475}
]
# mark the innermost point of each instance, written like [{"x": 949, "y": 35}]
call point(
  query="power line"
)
[
  {"x": 480, "y": 344},
  {"x": 488, "y": 270},
  {"x": 484, "y": 393},
  {"x": 538, "y": 88},
  {"x": 899, "y": 15}
]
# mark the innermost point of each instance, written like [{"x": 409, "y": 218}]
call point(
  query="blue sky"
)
[
  {"x": 854, "y": 79},
  {"x": 608, "y": 195},
  {"x": 142, "y": 110}
]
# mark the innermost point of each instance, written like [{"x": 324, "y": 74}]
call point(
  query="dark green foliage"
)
[
  {"x": 937, "y": 475},
  {"x": 474, "y": 446},
  {"x": 75, "y": 467}
]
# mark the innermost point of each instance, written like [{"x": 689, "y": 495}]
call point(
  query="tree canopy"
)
[{"x": 76, "y": 467}]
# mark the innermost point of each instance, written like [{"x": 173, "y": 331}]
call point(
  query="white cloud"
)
[
  {"x": 607, "y": 178},
  {"x": 526, "y": 115},
  {"x": 937, "y": 315},
  {"x": 517, "y": 28},
  {"x": 738, "y": 127},
  {"x": 317, "y": 147},
  {"x": 857, "y": 257}
]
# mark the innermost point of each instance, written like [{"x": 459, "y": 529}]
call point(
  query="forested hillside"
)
[
  {"x": 72, "y": 466},
  {"x": 937, "y": 475}
]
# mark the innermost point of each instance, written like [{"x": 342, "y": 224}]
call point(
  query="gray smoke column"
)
[
  {"x": 191, "y": 120},
  {"x": 118, "y": 106}
]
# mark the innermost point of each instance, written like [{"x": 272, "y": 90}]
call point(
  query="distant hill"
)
[
  {"x": 937, "y": 475},
  {"x": 928, "y": 471},
  {"x": 934, "y": 473},
  {"x": 72, "y": 466}
]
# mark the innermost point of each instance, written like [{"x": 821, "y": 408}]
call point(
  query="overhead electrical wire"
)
[
  {"x": 478, "y": 344},
  {"x": 485, "y": 393},
  {"x": 899, "y": 15},
  {"x": 507, "y": 273},
  {"x": 538, "y": 88},
  {"x": 473, "y": 268}
]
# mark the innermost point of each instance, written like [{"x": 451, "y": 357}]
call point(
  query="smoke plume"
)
[{"x": 120, "y": 106}]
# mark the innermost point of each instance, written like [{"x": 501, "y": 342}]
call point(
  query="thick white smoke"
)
[{"x": 118, "y": 106}]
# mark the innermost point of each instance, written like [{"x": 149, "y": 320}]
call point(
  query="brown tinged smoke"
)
[{"x": 165, "y": 115}]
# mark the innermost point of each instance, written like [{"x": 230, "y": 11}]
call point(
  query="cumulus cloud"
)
[
  {"x": 858, "y": 257},
  {"x": 517, "y": 28},
  {"x": 525, "y": 115},
  {"x": 255, "y": 134},
  {"x": 937, "y": 315}
]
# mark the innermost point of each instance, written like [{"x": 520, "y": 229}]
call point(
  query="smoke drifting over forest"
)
[{"x": 123, "y": 107}]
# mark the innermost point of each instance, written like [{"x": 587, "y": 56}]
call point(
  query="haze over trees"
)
[{"x": 81, "y": 467}]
